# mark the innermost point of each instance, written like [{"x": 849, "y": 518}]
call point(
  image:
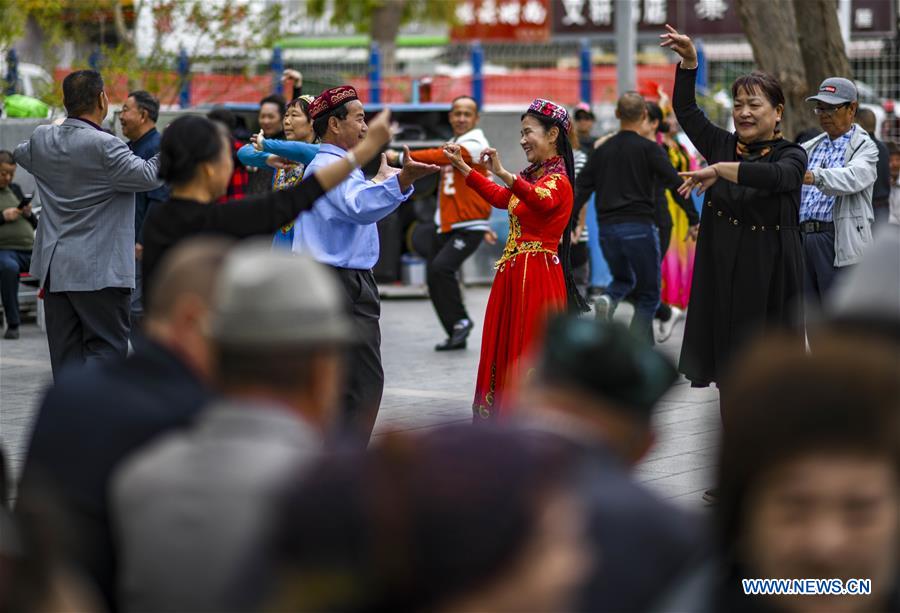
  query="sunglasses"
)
[{"x": 828, "y": 111}]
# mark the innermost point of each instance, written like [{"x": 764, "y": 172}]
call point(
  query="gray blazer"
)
[{"x": 86, "y": 180}]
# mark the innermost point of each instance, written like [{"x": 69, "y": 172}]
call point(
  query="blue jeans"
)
[
  {"x": 12, "y": 262},
  {"x": 632, "y": 252}
]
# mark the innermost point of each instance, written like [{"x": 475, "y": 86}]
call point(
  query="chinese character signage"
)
[
  {"x": 518, "y": 20},
  {"x": 695, "y": 17}
]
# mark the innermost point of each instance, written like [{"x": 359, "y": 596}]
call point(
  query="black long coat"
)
[{"x": 748, "y": 272}]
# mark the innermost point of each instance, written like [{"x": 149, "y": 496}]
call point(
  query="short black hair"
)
[
  {"x": 893, "y": 148},
  {"x": 466, "y": 97},
  {"x": 147, "y": 102},
  {"x": 80, "y": 91},
  {"x": 188, "y": 142},
  {"x": 275, "y": 99},
  {"x": 320, "y": 125},
  {"x": 224, "y": 117},
  {"x": 655, "y": 113},
  {"x": 6, "y": 157},
  {"x": 761, "y": 82},
  {"x": 583, "y": 114}
]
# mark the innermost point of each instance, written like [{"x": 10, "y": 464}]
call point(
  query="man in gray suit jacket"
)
[{"x": 84, "y": 249}]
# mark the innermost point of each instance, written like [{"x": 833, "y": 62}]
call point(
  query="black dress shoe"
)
[
  {"x": 457, "y": 340},
  {"x": 11, "y": 333}
]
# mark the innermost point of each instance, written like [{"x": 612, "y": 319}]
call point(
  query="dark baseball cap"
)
[{"x": 835, "y": 91}]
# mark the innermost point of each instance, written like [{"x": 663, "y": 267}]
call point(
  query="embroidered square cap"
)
[{"x": 331, "y": 99}]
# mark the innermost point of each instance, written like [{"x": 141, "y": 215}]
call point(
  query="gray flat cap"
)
[
  {"x": 835, "y": 91},
  {"x": 268, "y": 297}
]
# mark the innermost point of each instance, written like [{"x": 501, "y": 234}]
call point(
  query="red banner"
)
[{"x": 495, "y": 20}]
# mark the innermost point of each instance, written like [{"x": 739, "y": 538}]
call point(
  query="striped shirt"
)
[
  {"x": 580, "y": 159},
  {"x": 827, "y": 154}
]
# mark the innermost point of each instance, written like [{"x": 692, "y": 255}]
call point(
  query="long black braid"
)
[{"x": 576, "y": 302}]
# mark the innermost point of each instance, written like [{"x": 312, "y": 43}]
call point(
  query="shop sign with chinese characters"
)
[
  {"x": 514, "y": 20},
  {"x": 696, "y": 17}
]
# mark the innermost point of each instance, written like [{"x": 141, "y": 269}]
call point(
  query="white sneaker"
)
[
  {"x": 603, "y": 308},
  {"x": 666, "y": 327}
]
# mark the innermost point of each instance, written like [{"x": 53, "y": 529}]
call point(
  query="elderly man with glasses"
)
[{"x": 836, "y": 203}]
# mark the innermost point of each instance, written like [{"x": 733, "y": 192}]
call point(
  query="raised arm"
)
[
  {"x": 249, "y": 156},
  {"x": 22, "y": 155},
  {"x": 784, "y": 175},
  {"x": 705, "y": 135},
  {"x": 263, "y": 213},
  {"x": 496, "y": 195},
  {"x": 295, "y": 151},
  {"x": 126, "y": 171}
]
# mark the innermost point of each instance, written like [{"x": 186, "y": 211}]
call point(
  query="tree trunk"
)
[
  {"x": 123, "y": 34},
  {"x": 771, "y": 29},
  {"x": 385, "y": 27},
  {"x": 821, "y": 43}
]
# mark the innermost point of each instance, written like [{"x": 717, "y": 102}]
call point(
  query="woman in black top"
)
[
  {"x": 748, "y": 268},
  {"x": 195, "y": 159}
]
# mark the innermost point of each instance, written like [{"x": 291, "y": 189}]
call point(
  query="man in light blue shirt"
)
[{"x": 340, "y": 231}]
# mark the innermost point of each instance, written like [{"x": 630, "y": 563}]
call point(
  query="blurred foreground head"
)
[
  {"x": 179, "y": 303},
  {"x": 810, "y": 468},
  {"x": 597, "y": 382},
  {"x": 866, "y": 301},
  {"x": 465, "y": 518},
  {"x": 278, "y": 329}
]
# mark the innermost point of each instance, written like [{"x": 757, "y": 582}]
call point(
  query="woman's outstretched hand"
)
[
  {"x": 258, "y": 140},
  {"x": 491, "y": 158},
  {"x": 702, "y": 179},
  {"x": 680, "y": 44}
]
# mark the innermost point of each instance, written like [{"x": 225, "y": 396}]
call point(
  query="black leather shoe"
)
[
  {"x": 457, "y": 340},
  {"x": 11, "y": 333}
]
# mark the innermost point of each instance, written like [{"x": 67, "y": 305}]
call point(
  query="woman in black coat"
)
[{"x": 748, "y": 269}]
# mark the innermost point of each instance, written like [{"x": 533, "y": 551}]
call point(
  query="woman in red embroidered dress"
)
[{"x": 531, "y": 281}]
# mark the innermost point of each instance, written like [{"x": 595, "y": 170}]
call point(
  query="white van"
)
[{"x": 33, "y": 80}]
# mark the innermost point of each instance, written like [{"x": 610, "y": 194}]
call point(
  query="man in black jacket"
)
[
  {"x": 624, "y": 172},
  {"x": 90, "y": 421}
]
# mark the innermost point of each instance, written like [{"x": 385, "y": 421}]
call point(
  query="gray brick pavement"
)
[{"x": 423, "y": 389}]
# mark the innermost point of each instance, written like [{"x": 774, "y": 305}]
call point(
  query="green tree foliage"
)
[{"x": 108, "y": 26}]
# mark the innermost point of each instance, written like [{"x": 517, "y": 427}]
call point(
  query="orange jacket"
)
[{"x": 459, "y": 206}]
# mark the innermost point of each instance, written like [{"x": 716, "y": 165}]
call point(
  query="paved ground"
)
[{"x": 423, "y": 389}]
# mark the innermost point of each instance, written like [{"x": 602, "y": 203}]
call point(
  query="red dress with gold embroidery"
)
[{"x": 529, "y": 284}]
